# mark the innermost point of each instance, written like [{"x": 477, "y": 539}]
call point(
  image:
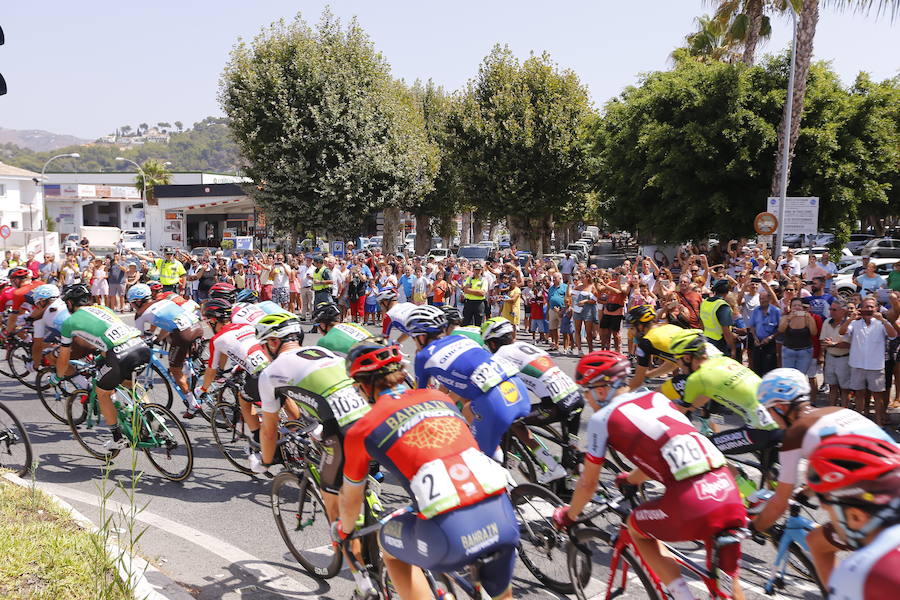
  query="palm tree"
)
[
  {"x": 180, "y": 126},
  {"x": 735, "y": 24},
  {"x": 157, "y": 174},
  {"x": 711, "y": 41}
]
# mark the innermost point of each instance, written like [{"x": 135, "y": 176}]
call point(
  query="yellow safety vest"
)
[
  {"x": 168, "y": 272},
  {"x": 471, "y": 282},
  {"x": 712, "y": 329},
  {"x": 318, "y": 279}
]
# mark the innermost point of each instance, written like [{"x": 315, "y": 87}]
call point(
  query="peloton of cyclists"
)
[{"x": 336, "y": 336}]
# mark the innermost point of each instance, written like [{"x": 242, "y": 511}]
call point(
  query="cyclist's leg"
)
[
  {"x": 181, "y": 342},
  {"x": 108, "y": 377}
]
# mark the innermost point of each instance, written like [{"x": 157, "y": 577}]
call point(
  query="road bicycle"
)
[
  {"x": 15, "y": 447},
  {"x": 147, "y": 426},
  {"x": 17, "y": 354},
  {"x": 230, "y": 432},
  {"x": 54, "y": 395},
  {"x": 161, "y": 386}
]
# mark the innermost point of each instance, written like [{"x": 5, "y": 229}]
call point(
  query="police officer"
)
[
  {"x": 170, "y": 270},
  {"x": 321, "y": 281},
  {"x": 717, "y": 319},
  {"x": 474, "y": 293}
]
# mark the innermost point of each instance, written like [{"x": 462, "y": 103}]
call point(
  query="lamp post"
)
[
  {"x": 143, "y": 198},
  {"x": 788, "y": 118},
  {"x": 44, "y": 197}
]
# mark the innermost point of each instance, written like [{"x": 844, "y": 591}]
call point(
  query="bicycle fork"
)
[{"x": 795, "y": 530}]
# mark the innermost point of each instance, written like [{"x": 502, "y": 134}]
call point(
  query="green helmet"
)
[
  {"x": 278, "y": 325},
  {"x": 496, "y": 328},
  {"x": 689, "y": 341}
]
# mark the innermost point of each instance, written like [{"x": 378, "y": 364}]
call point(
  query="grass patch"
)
[{"x": 45, "y": 554}]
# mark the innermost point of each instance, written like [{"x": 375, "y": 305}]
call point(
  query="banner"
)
[{"x": 243, "y": 242}]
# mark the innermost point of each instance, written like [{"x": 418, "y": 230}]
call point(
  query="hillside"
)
[
  {"x": 204, "y": 147},
  {"x": 37, "y": 139}
]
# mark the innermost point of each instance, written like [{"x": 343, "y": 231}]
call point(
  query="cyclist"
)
[
  {"x": 651, "y": 339},
  {"x": 560, "y": 398},
  {"x": 729, "y": 384},
  {"x": 857, "y": 479},
  {"x": 786, "y": 393},
  {"x": 317, "y": 380},
  {"x": 249, "y": 313},
  {"x": 461, "y": 510},
  {"x": 158, "y": 292},
  {"x": 14, "y": 297},
  {"x": 121, "y": 347},
  {"x": 489, "y": 389},
  {"x": 169, "y": 321},
  {"x": 337, "y": 337},
  {"x": 235, "y": 342},
  {"x": 395, "y": 318},
  {"x": 701, "y": 497},
  {"x": 247, "y": 296},
  {"x": 48, "y": 315}
]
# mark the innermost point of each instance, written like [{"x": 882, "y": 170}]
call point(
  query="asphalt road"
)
[{"x": 214, "y": 533}]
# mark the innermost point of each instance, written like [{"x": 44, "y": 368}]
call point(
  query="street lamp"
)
[
  {"x": 44, "y": 197},
  {"x": 788, "y": 118},
  {"x": 143, "y": 198}
]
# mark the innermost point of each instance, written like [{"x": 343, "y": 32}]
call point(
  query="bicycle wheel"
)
[
  {"x": 542, "y": 547},
  {"x": 588, "y": 563},
  {"x": 801, "y": 568},
  {"x": 518, "y": 461},
  {"x": 231, "y": 434},
  {"x": 53, "y": 397},
  {"x": 85, "y": 421},
  {"x": 165, "y": 442},
  {"x": 156, "y": 387},
  {"x": 16, "y": 360},
  {"x": 303, "y": 524},
  {"x": 15, "y": 448}
]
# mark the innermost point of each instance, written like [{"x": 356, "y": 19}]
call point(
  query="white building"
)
[{"x": 21, "y": 208}]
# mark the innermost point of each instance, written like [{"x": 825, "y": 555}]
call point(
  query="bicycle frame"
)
[
  {"x": 155, "y": 354},
  {"x": 795, "y": 529},
  {"x": 132, "y": 427}
]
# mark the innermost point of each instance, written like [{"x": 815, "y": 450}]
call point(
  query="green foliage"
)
[
  {"x": 156, "y": 174},
  {"x": 326, "y": 133}
]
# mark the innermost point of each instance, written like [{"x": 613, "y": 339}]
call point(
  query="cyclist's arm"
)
[
  {"x": 586, "y": 486},
  {"x": 421, "y": 375},
  {"x": 693, "y": 398},
  {"x": 665, "y": 368},
  {"x": 210, "y": 372},
  {"x": 775, "y": 507},
  {"x": 356, "y": 470}
]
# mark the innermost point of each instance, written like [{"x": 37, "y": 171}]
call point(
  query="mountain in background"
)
[
  {"x": 207, "y": 146},
  {"x": 37, "y": 139}
]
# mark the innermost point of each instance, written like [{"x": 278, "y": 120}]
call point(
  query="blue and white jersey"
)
[
  {"x": 269, "y": 307},
  {"x": 168, "y": 316},
  {"x": 48, "y": 326},
  {"x": 462, "y": 366}
]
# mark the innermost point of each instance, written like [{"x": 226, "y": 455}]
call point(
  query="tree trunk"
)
[
  {"x": 559, "y": 230},
  {"x": 755, "y": 19},
  {"x": 423, "y": 234},
  {"x": 465, "y": 236},
  {"x": 478, "y": 223},
  {"x": 293, "y": 240},
  {"x": 806, "y": 32},
  {"x": 523, "y": 233},
  {"x": 391, "y": 230}
]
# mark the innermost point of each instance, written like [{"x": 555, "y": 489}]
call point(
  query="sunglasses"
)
[{"x": 789, "y": 289}]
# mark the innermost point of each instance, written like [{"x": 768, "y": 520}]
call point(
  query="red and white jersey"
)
[
  {"x": 238, "y": 342},
  {"x": 871, "y": 573},
  {"x": 6, "y": 297},
  {"x": 647, "y": 429},
  {"x": 246, "y": 314}
]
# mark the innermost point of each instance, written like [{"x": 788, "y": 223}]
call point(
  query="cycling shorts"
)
[
  {"x": 180, "y": 343},
  {"x": 496, "y": 410},
  {"x": 452, "y": 540},
  {"x": 120, "y": 362},
  {"x": 331, "y": 465},
  {"x": 693, "y": 509},
  {"x": 547, "y": 412},
  {"x": 251, "y": 388}
]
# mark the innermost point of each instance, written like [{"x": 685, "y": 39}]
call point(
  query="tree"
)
[
  {"x": 162, "y": 125},
  {"x": 156, "y": 174},
  {"x": 142, "y": 128},
  {"x": 325, "y": 132},
  {"x": 125, "y": 129},
  {"x": 179, "y": 126},
  {"x": 734, "y": 30}
]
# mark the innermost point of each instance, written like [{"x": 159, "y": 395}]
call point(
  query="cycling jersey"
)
[
  {"x": 396, "y": 317},
  {"x": 187, "y": 304},
  {"x": 246, "y": 314},
  {"x": 20, "y": 298},
  {"x": 656, "y": 343},
  {"x": 870, "y": 573},
  {"x": 50, "y": 323},
  {"x": 166, "y": 315},
  {"x": 98, "y": 326},
  {"x": 541, "y": 375},
  {"x": 342, "y": 336},
  {"x": 269, "y": 307},
  {"x": 732, "y": 385},
  {"x": 238, "y": 342},
  {"x": 6, "y": 297},
  {"x": 470, "y": 331},
  {"x": 804, "y": 435}
]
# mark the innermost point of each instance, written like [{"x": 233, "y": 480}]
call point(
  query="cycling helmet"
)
[
  {"x": 44, "y": 292},
  {"x": 139, "y": 291},
  {"x": 155, "y": 288},
  {"x": 496, "y": 328},
  {"x": 452, "y": 314},
  {"x": 601, "y": 366},
  {"x": 246, "y": 295},
  {"x": 425, "y": 319},
  {"x": 783, "y": 385},
  {"x": 223, "y": 290},
  {"x": 19, "y": 273},
  {"x": 326, "y": 312},
  {"x": 640, "y": 314},
  {"x": 373, "y": 357},
  {"x": 79, "y": 294},
  {"x": 386, "y": 294},
  {"x": 689, "y": 341},
  {"x": 217, "y": 308},
  {"x": 278, "y": 326}
]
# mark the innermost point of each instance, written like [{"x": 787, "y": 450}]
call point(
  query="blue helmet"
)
[
  {"x": 139, "y": 291},
  {"x": 783, "y": 386},
  {"x": 43, "y": 292},
  {"x": 246, "y": 295}
]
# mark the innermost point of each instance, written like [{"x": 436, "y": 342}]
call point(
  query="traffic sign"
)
[
  {"x": 337, "y": 248},
  {"x": 5, "y": 231},
  {"x": 765, "y": 223},
  {"x": 801, "y": 215}
]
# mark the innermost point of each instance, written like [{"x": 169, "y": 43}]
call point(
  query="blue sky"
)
[{"x": 83, "y": 68}]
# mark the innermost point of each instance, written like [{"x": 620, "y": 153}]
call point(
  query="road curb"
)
[{"x": 152, "y": 584}]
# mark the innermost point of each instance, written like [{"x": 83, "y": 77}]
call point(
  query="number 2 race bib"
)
[{"x": 453, "y": 481}]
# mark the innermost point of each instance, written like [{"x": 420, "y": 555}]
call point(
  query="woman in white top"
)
[{"x": 99, "y": 285}]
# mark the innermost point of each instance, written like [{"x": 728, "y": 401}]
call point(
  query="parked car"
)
[
  {"x": 882, "y": 248},
  {"x": 580, "y": 249},
  {"x": 593, "y": 231},
  {"x": 475, "y": 252},
  {"x": 439, "y": 253},
  {"x": 802, "y": 254},
  {"x": 842, "y": 284},
  {"x": 858, "y": 240}
]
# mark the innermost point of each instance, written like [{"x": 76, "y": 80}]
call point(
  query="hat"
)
[
  {"x": 477, "y": 265},
  {"x": 720, "y": 286},
  {"x": 318, "y": 258}
]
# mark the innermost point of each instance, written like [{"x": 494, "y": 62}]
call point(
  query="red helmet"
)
[
  {"x": 601, "y": 366},
  {"x": 19, "y": 273},
  {"x": 855, "y": 467},
  {"x": 373, "y": 356},
  {"x": 223, "y": 290},
  {"x": 155, "y": 288},
  {"x": 217, "y": 308}
]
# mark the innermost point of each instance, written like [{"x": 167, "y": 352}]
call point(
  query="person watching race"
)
[
  {"x": 701, "y": 497},
  {"x": 169, "y": 321},
  {"x": 121, "y": 348},
  {"x": 461, "y": 511},
  {"x": 317, "y": 380},
  {"x": 490, "y": 391},
  {"x": 857, "y": 480},
  {"x": 785, "y": 393},
  {"x": 336, "y": 336},
  {"x": 560, "y": 400},
  {"x": 48, "y": 315}
]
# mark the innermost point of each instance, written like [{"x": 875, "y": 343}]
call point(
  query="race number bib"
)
[
  {"x": 183, "y": 322},
  {"x": 256, "y": 361},
  {"x": 691, "y": 454},
  {"x": 347, "y": 405},
  {"x": 559, "y": 385},
  {"x": 486, "y": 377},
  {"x": 117, "y": 333},
  {"x": 453, "y": 481}
]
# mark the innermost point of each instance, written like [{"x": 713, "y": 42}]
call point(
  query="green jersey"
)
[
  {"x": 343, "y": 336},
  {"x": 471, "y": 332},
  {"x": 98, "y": 326},
  {"x": 732, "y": 385}
]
